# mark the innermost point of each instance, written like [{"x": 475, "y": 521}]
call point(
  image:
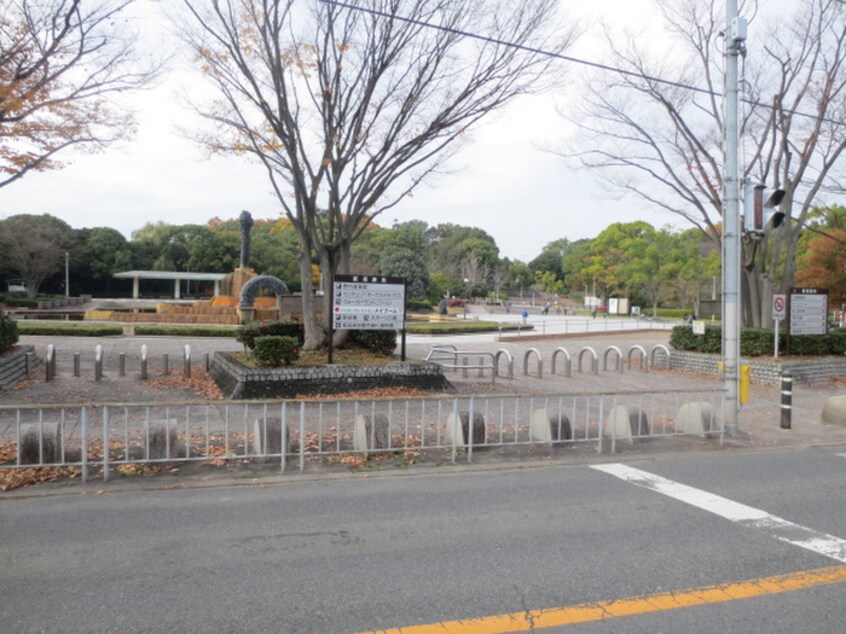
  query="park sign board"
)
[
  {"x": 808, "y": 311},
  {"x": 368, "y": 302}
]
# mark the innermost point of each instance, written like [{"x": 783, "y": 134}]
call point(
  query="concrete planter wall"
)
[
  {"x": 14, "y": 366},
  {"x": 238, "y": 381},
  {"x": 767, "y": 372}
]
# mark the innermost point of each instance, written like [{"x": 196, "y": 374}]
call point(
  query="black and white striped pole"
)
[{"x": 786, "y": 398}]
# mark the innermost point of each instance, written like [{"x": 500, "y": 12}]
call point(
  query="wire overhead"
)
[{"x": 562, "y": 57}]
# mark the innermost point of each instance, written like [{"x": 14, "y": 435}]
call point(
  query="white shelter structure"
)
[{"x": 177, "y": 276}]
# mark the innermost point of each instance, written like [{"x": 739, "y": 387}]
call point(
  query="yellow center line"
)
[{"x": 597, "y": 611}]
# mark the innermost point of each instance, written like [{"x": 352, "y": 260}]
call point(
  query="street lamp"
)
[{"x": 67, "y": 274}]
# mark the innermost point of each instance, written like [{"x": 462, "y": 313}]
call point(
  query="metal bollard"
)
[
  {"x": 165, "y": 366},
  {"x": 786, "y": 398},
  {"x": 98, "y": 362},
  {"x": 186, "y": 361},
  {"x": 122, "y": 364},
  {"x": 76, "y": 363},
  {"x": 206, "y": 362},
  {"x": 144, "y": 362},
  {"x": 48, "y": 365}
]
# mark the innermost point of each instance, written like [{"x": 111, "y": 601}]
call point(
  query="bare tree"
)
[
  {"x": 61, "y": 62},
  {"x": 350, "y": 107},
  {"x": 662, "y": 141}
]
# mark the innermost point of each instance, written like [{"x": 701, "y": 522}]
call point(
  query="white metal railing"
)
[
  {"x": 578, "y": 325},
  {"x": 99, "y": 439},
  {"x": 450, "y": 358}
]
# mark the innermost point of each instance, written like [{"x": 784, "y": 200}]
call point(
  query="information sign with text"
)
[
  {"x": 808, "y": 311},
  {"x": 368, "y": 302}
]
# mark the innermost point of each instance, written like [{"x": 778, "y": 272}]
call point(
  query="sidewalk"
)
[{"x": 759, "y": 420}]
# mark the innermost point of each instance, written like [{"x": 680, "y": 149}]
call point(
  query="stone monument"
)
[
  {"x": 246, "y": 222},
  {"x": 235, "y": 282}
]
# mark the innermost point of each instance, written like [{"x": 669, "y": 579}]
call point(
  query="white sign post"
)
[{"x": 779, "y": 313}]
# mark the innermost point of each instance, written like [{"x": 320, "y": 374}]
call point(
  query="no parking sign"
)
[{"x": 779, "y": 307}]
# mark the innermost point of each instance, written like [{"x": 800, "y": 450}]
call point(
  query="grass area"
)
[
  {"x": 462, "y": 327},
  {"x": 68, "y": 329}
]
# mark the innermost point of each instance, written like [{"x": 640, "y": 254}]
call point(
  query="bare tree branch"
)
[
  {"x": 662, "y": 142},
  {"x": 61, "y": 62},
  {"x": 350, "y": 109}
]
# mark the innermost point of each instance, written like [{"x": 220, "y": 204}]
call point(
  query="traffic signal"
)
[{"x": 761, "y": 208}]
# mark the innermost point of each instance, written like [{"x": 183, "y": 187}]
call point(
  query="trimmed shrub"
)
[
  {"x": 274, "y": 351},
  {"x": 757, "y": 342},
  {"x": 447, "y": 327},
  {"x": 66, "y": 329},
  {"x": 14, "y": 301},
  {"x": 187, "y": 331},
  {"x": 379, "y": 341},
  {"x": 667, "y": 313},
  {"x": 809, "y": 345},
  {"x": 8, "y": 334},
  {"x": 837, "y": 341},
  {"x": 682, "y": 338},
  {"x": 420, "y": 305},
  {"x": 248, "y": 333}
]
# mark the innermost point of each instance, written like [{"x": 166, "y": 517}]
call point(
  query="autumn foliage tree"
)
[
  {"x": 349, "y": 107},
  {"x": 61, "y": 64},
  {"x": 824, "y": 263}
]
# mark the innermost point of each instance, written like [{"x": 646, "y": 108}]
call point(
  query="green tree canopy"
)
[{"x": 33, "y": 247}]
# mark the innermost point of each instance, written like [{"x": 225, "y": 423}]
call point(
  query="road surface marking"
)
[
  {"x": 748, "y": 516},
  {"x": 531, "y": 620}
]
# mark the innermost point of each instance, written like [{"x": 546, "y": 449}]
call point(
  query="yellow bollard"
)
[{"x": 745, "y": 374}]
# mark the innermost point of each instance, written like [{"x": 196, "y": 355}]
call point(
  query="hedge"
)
[
  {"x": 8, "y": 334},
  {"x": 462, "y": 327},
  {"x": 13, "y": 301},
  {"x": 187, "y": 331},
  {"x": 757, "y": 342},
  {"x": 65, "y": 329},
  {"x": 419, "y": 305}
]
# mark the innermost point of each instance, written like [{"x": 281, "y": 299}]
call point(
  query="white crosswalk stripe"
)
[{"x": 747, "y": 516}]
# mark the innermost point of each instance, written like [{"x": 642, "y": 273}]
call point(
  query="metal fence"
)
[
  {"x": 578, "y": 325},
  {"x": 297, "y": 433}
]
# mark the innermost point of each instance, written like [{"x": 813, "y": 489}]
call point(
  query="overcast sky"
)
[{"x": 502, "y": 182}]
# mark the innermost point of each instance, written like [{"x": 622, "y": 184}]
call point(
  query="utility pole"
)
[{"x": 735, "y": 46}]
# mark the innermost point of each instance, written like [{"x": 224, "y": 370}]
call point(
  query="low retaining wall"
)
[
  {"x": 14, "y": 367},
  {"x": 238, "y": 381},
  {"x": 763, "y": 371}
]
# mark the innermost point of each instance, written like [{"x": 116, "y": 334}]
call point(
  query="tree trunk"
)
[{"x": 313, "y": 332}]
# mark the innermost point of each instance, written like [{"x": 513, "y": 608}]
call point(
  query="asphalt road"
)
[{"x": 360, "y": 553}]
